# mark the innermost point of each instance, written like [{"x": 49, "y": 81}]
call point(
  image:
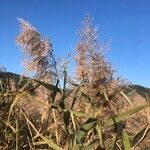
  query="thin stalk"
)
[
  {"x": 17, "y": 137},
  {"x": 73, "y": 121},
  {"x": 55, "y": 124}
]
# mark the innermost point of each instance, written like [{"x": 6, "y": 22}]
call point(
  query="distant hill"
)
[
  {"x": 5, "y": 77},
  {"x": 9, "y": 78},
  {"x": 143, "y": 91}
]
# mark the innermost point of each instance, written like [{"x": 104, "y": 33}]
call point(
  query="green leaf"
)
[
  {"x": 125, "y": 139},
  {"x": 124, "y": 115},
  {"x": 86, "y": 127},
  {"x": 99, "y": 131},
  {"x": 140, "y": 136},
  {"x": 75, "y": 97},
  {"x": 48, "y": 86},
  {"x": 50, "y": 143}
]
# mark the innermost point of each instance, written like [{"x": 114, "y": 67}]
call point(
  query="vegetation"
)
[{"x": 52, "y": 110}]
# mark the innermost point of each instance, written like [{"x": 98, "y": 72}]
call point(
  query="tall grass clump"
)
[{"x": 94, "y": 112}]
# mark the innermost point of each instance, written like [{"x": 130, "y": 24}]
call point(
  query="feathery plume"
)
[
  {"x": 37, "y": 49},
  {"x": 91, "y": 63}
]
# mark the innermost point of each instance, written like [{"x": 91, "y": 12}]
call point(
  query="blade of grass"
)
[
  {"x": 19, "y": 95},
  {"x": 55, "y": 123},
  {"x": 140, "y": 136},
  {"x": 48, "y": 86},
  {"x": 125, "y": 115},
  {"x": 17, "y": 135},
  {"x": 125, "y": 139},
  {"x": 126, "y": 97},
  {"x": 73, "y": 122},
  {"x": 99, "y": 131},
  {"x": 11, "y": 127},
  {"x": 86, "y": 127},
  {"x": 105, "y": 95}
]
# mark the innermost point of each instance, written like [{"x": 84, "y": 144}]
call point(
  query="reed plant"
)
[{"x": 93, "y": 113}]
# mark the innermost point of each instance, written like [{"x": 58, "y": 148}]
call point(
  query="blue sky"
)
[{"x": 125, "y": 22}]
